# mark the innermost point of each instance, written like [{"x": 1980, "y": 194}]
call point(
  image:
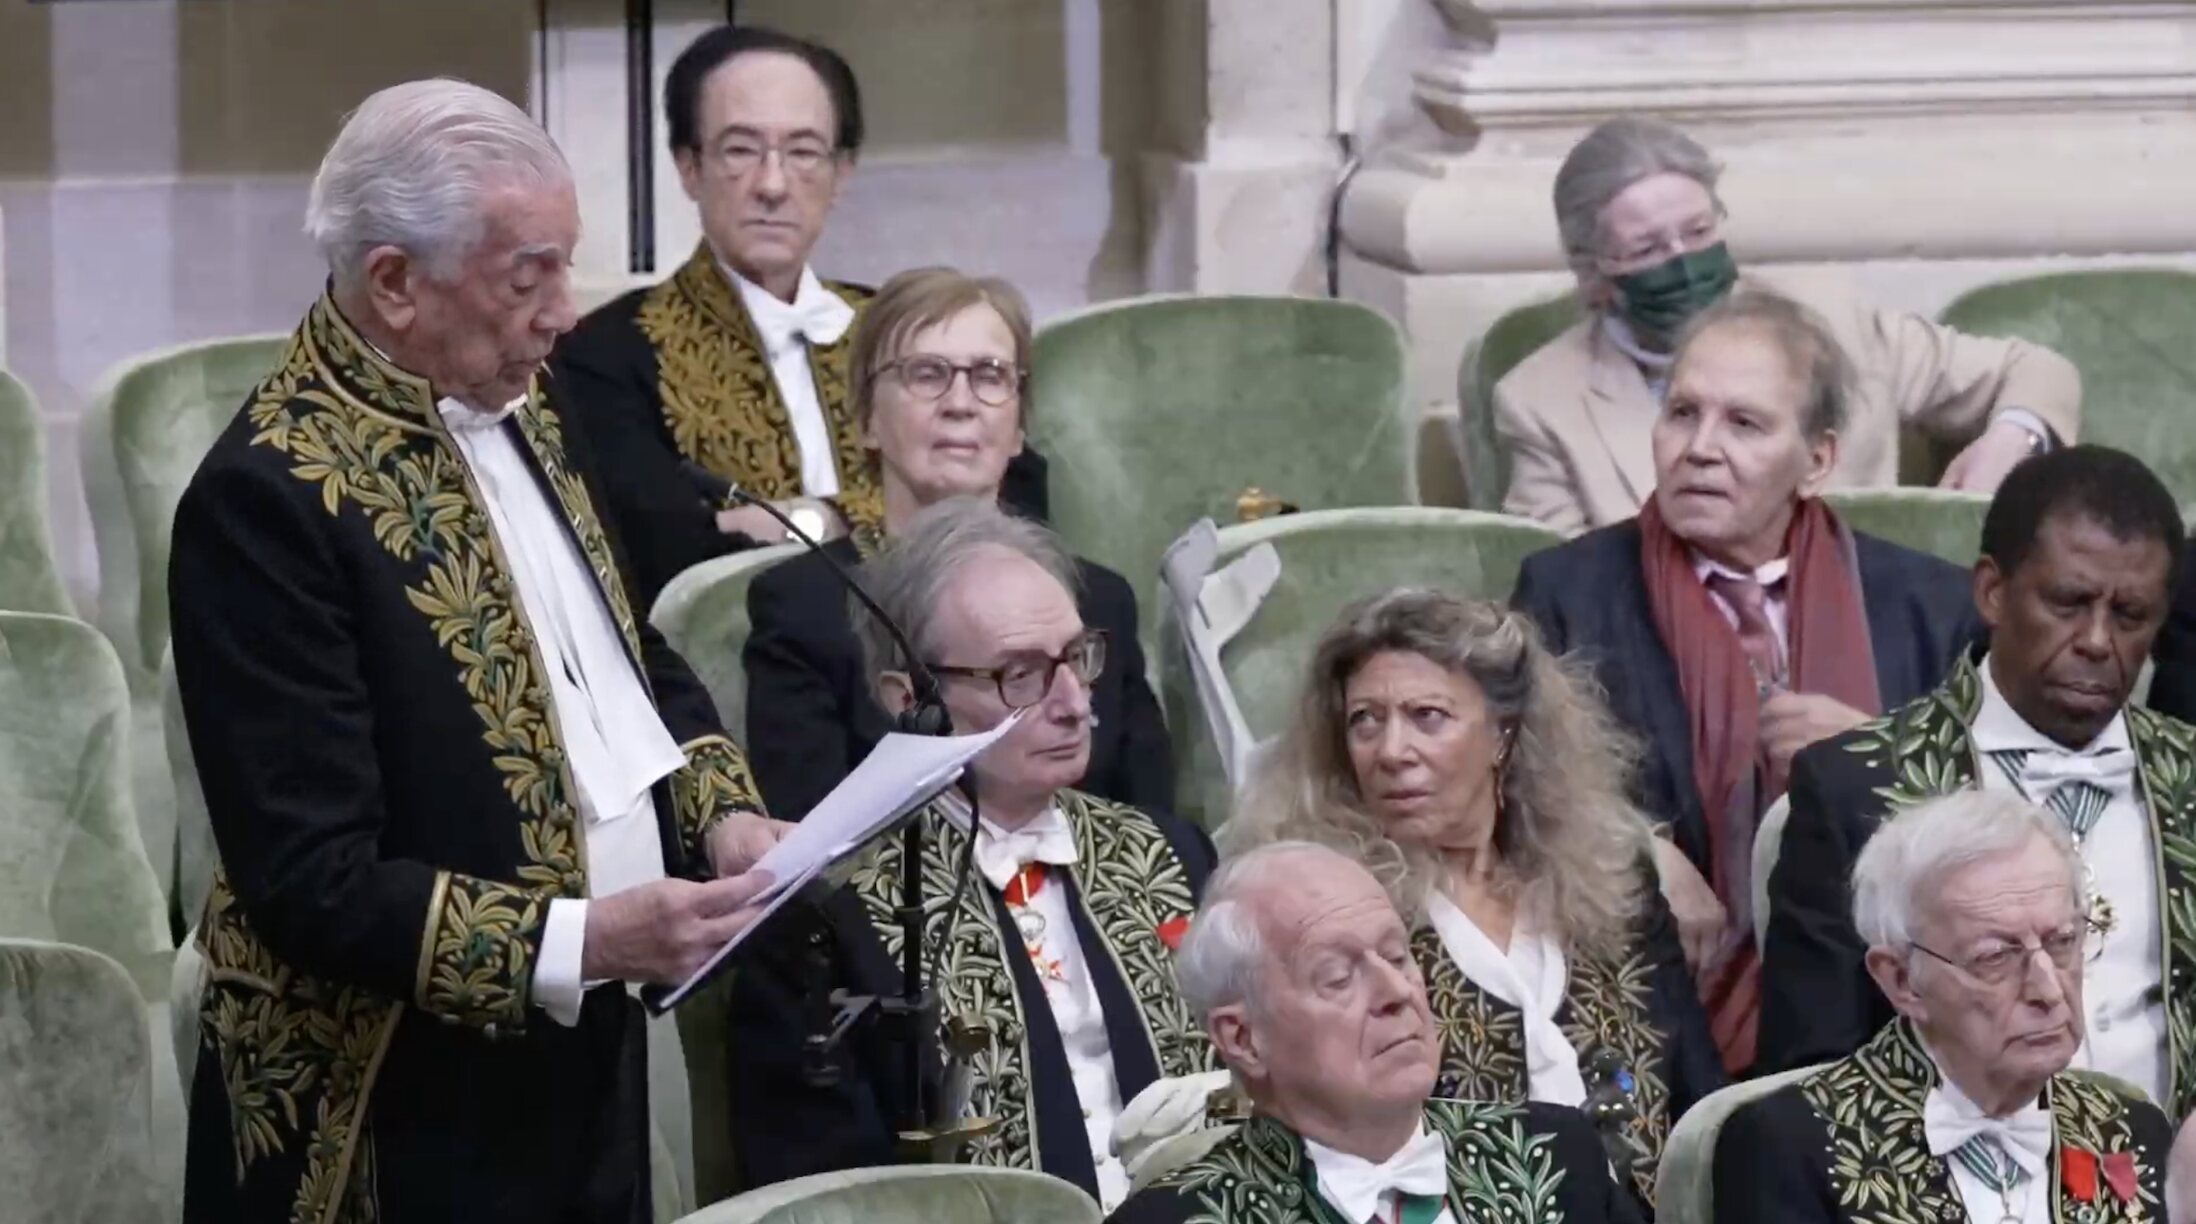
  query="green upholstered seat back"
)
[
  {"x": 703, "y": 614},
  {"x": 195, "y": 855},
  {"x": 75, "y": 1073},
  {"x": 2127, "y": 331},
  {"x": 1685, "y": 1183},
  {"x": 1941, "y": 522},
  {"x": 72, "y": 863},
  {"x": 152, "y": 421},
  {"x": 30, "y": 576},
  {"x": 1155, "y": 413},
  {"x": 1514, "y": 337},
  {"x": 910, "y": 1194},
  {"x": 1329, "y": 559}
]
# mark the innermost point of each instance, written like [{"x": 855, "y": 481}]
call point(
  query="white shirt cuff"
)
[
  {"x": 557, "y": 983},
  {"x": 2026, "y": 420}
]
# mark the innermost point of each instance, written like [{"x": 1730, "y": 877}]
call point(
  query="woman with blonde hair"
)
[{"x": 1479, "y": 778}]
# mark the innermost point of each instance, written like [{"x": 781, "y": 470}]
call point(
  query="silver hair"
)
[
  {"x": 1218, "y": 961},
  {"x": 910, "y": 575},
  {"x": 1616, "y": 154},
  {"x": 1913, "y": 851},
  {"x": 410, "y": 168}
]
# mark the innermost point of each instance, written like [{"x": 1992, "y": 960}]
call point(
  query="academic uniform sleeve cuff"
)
[{"x": 558, "y": 987}]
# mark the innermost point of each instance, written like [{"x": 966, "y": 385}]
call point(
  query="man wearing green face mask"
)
[{"x": 1636, "y": 205}]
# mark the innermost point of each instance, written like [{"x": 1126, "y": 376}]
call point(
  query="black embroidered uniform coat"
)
[
  {"x": 811, "y": 716},
  {"x": 1639, "y": 1003},
  {"x": 1818, "y": 1002},
  {"x": 1507, "y": 1162},
  {"x": 1133, "y": 889},
  {"x": 1845, "y": 1145},
  {"x": 675, "y": 373},
  {"x": 383, "y": 768}
]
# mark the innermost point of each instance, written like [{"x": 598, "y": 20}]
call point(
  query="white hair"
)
[
  {"x": 1913, "y": 851},
  {"x": 1217, "y": 963},
  {"x": 409, "y": 169},
  {"x": 910, "y": 575},
  {"x": 1616, "y": 154}
]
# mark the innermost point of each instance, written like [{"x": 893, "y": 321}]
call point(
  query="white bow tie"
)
[
  {"x": 1047, "y": 839},
  {"x": 1356, "y": 1186},
  {"x": 2042, "y": 773},
  {"x": 463, "y": 417},
  {"x": 2026, "y": 1136},
  {"x": 815, "y": 316}
]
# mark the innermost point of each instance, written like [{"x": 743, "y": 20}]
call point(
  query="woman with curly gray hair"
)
[{"x": 1479, "y": 778}]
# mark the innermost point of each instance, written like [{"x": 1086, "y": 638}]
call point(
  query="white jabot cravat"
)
[
  {"x": 814, "y": 316},
  {"x": 1950, "y": 1121},
  {"x": 1365, "y": 1193},
  {"x": 615, "y": 743},
  {"x": 1046, "y": 924},
  {"x": 1776, "y": 599},
  {"x": 2122, "y": 989},
  {"x": 1530, "y": 977}
]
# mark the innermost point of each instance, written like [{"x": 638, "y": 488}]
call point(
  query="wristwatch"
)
[{"x": 811, "y": 521}]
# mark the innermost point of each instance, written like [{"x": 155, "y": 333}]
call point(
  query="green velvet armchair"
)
[
  {"x": 1514, "y": 337},
  {"x": 910, "y": 1194},
  {"x": 1685, "y": 1182},
  {"x": 1157, "y": 412},
  {"x": 30, "y": 576},
  {"x": 1328, "y": 560},
  {"x": 75, "y": 1139},
  {"x": 1941, "y": 522},
  {"x": 2127, "y": 331},
  {"x": 703, "y": 614}
]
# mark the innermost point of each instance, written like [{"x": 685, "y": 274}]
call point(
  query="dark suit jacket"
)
[
  {"x": 1589, "y": 596},
  {"x": 811, "y": 716},
  {"x": 2173, "y": 684},
  {"x": 1846, "y": 1143}
]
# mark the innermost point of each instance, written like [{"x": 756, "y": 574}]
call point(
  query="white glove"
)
[{"x": 1164, "y": 1109}]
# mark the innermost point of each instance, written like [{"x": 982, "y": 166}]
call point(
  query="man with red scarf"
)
[{"x": 1730, "y": 621}]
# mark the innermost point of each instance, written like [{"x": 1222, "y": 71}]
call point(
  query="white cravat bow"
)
[
  {"x": 2043, "y": 773},
  {"x": 464, "y": 417},
  {"x": 2025, "y": 1136},
  {"x": 1047, "y": 839},
  {"x": 815, "y": 315},
  {"x": 1357, "y": 1186}
]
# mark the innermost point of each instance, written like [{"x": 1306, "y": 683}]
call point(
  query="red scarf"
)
[{"x": 1828, "y": 643}]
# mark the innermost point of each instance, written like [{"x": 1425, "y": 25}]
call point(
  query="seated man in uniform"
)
[
  {"x": 1963, "y": 1108},
  {"x": 735, "y": 369},
  {"x": 1060, "y": 949},
  {"x": 2078, "y": 551},
  {"x": 1302, "y": 972}
]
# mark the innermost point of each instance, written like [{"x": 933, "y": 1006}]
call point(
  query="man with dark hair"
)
[
  {"x": 2078, "y": 556},
  {"x": 735, "y": 369}
]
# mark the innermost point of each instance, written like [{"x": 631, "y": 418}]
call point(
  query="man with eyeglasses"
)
[
  {"x": 2078, "y": 551},
  {"x": 1642, "y": 228},
  {"x": 1059, "y": 949},
  {"x": 940, "y": 393},
  {"x": 735, "y": 369},
  {"x": 1967, "y": 1105}
]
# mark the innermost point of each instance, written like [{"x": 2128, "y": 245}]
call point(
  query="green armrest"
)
[{"x": 913, "y": 1194}]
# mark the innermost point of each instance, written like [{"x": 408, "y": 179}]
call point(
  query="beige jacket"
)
[{"x": 1575, "y": 415}]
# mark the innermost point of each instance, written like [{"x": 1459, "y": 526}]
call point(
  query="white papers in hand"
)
[{"x": 901, "y": 774}]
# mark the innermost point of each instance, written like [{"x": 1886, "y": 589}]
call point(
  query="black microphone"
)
[
  {"x": 1611, "y": 1106},
  {"x": 928, "y": 715}
]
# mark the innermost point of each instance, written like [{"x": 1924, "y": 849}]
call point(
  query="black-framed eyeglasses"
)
[
  {"x": 2066, "y": 947},
  {"x": 1024, "y": 679},
  {"x": 991, "y": 380}
]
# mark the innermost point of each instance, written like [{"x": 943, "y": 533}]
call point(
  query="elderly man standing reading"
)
[
  {"x": 447, "y": 768},
  {"x": 1977, "y": 928},
  {"x": 1301, "y": 969}
]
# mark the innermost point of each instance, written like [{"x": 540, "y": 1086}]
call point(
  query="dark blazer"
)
[
  {"x": 1846, "y": 1143},
  {"x": 1637, "y": 1003},
  {"x": 1507, "y": 1161},
  {"x": 1589, "y": 596},
  {"x": 811, "y": 716},
  {"x": 1817, "y": 999},
  {"x": 1136, "y": 882},
  {"x": 2173, "y": 683}
]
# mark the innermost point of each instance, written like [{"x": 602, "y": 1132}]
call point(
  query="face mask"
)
[{"x": 1657, "y": 301}]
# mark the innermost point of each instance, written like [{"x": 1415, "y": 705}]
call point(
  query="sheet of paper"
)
[{"x": 901, "y": 774}]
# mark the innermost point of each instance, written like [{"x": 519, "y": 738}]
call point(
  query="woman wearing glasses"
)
[
  {"x": 939, "y": 382},
  {"x": 1052, "y": 960}
]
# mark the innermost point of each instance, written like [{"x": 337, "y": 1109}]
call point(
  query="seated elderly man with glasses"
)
[
  {"x": 1964, "y": 1108},
  {"x": 1301, "y": 969},
  {"x": 1060, "y": 946}
]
